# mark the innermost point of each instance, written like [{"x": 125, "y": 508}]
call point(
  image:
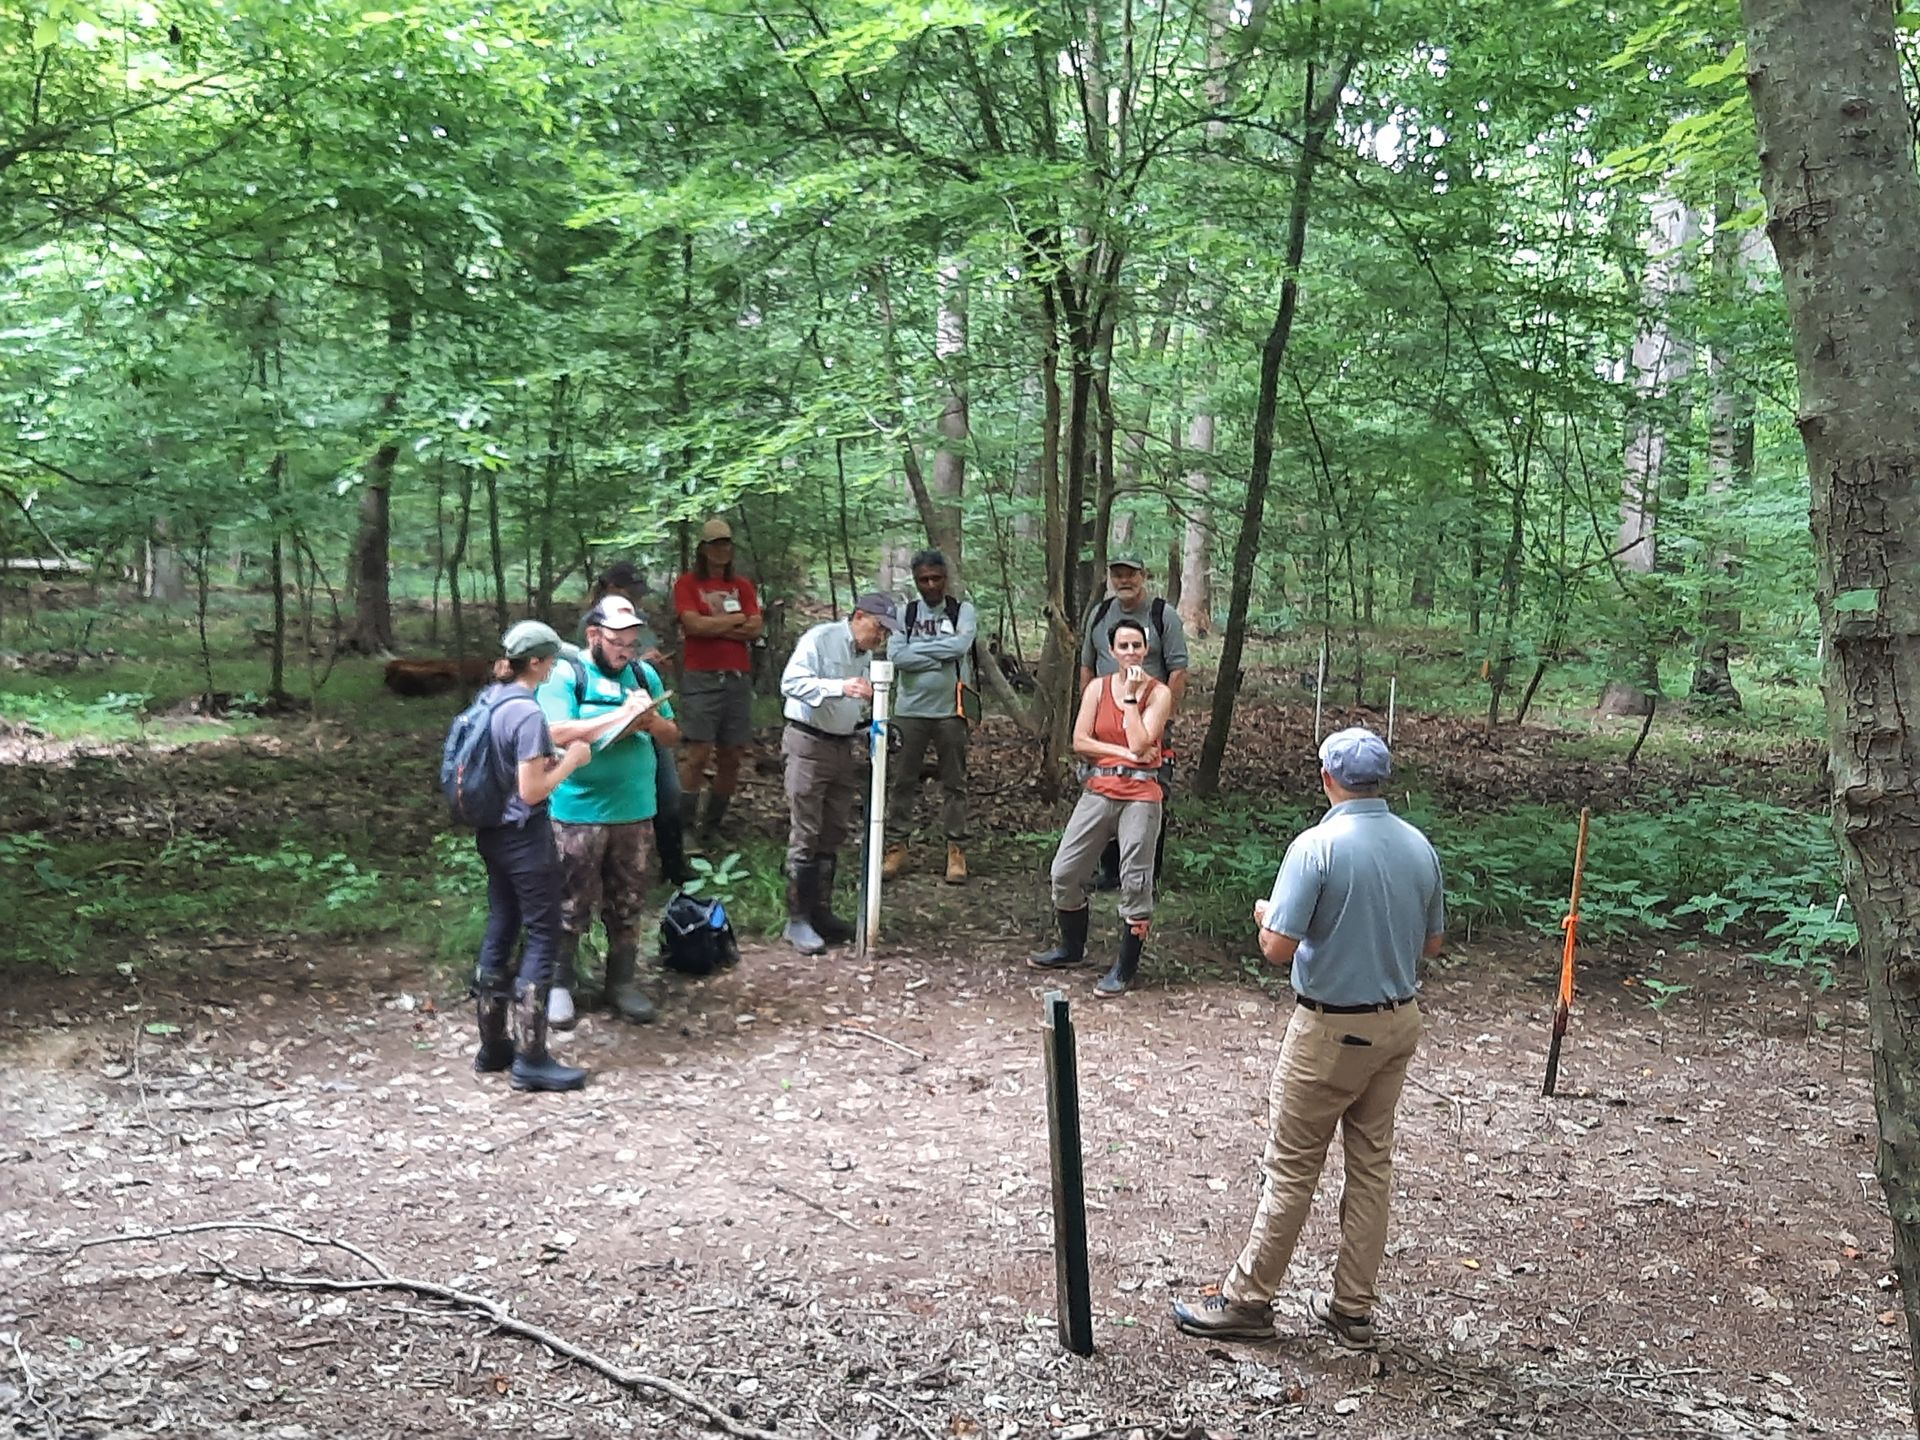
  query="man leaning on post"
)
[
  {"x": 825, "y": 689},
  {"x": 1357, "y": 904}
]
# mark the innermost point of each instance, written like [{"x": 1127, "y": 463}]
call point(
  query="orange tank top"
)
[{"x": 1110, "y": 728}]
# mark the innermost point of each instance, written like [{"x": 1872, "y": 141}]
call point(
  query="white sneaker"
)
[{"x": 560, "y": 1009}]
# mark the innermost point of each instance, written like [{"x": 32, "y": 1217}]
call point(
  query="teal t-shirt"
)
[{"x": 616, "y": 787}]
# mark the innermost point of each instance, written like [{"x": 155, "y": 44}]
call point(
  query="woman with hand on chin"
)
[{"x": 1118, "y": 733}]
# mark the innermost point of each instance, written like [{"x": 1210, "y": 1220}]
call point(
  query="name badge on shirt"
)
[
  {"x": 945, "y": 627},
  {"x": 730, "y": 604}
]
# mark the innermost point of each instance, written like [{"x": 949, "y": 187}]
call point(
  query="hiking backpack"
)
[
  {"x": 477, "y": 784},
  {"x": 695, "y": 936}
]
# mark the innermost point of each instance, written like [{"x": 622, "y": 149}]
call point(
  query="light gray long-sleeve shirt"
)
[
  {"x": 814, "y": 683},
  {"x": 931, "y": 657}
]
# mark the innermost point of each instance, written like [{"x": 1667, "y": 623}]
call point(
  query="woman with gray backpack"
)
[{"x": 497, "y": 771}]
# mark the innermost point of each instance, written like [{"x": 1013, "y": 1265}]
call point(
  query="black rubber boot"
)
[
  {"x": 1107, "y": 877},
  {"x": 496, "y": 1046},
  {"x": 830, "y": 926},
  {"x": 1126, "y": 964},
  {"x": 802, "y": 893},
  {"x": 624, "y": 994},
  {"x": 1072, "y": 949},
  {"x": 710, "y": 835},
  {"x": 533, "y": 1067},
  {"x": 670, "y": 840}
]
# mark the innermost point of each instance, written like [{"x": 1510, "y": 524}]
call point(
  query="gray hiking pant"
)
[{"x": 1096, "y": 820}]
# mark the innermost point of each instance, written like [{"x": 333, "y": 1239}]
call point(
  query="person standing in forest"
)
[
  {"x": 1357, "y": 904},
  {"x": 1118, "y": 733},
  {"x": 603, "y": 816},
  {"x": 935, "y": 702},
  {"x": 826, "y": 689},
  {"x": 623, "y": 580},
  {"x": 719, "y": 614},
  {"x": 523, "y": 868},
  {"x": 1166, "y": 661}
]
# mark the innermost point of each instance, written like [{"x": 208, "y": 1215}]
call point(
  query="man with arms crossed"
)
[{"x": 1356, "y": 905}]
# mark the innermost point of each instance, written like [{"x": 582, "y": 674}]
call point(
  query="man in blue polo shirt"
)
[{"x": 1357, "y": 903}]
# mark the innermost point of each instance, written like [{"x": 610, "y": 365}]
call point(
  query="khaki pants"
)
[
  {"x": 949, "y": 740},
  {"x": 1096, "y": 819},
  {"x": 823, "y": 786},
  {"x": 1335, "y": 1071}
]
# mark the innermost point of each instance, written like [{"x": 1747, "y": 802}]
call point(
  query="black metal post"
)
[{"x": 1073, "y": 1289}]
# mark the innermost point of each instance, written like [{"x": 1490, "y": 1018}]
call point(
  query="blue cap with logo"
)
[{"x": 1356, "y": 758}]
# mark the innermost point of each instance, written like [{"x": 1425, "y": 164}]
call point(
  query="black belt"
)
[
  {"x": 1305, "y": 1004},
  {"x": 817, "y": 732}
]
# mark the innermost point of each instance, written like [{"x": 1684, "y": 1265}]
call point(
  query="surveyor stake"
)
[{"x": 1563, "y": 1006}]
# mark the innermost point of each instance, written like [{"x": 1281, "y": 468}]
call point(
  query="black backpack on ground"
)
[{"x": 696, "y": 937}]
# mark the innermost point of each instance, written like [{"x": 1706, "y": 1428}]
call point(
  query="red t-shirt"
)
[{"x": 693, "y": 595}]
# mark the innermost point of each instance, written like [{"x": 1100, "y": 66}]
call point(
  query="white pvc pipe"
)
[
  {"x": 1393, "y": 692},
  {"x": 882, "y": 677}
]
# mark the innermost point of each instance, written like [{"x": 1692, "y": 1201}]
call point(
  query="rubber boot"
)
[
  {"x": 710, "y": 835},
  {"x": 496, "y": 1046},
  {"x": 1072, "y": 949},
  {"x": 956, "y": 864},
  {"x": 562, "y": 1001},
  {"x": 670, "y": 841},
  {"x": 1126, "y": 964},
  {"x": 624, "y": 994},
  {"x": 533, "y": 1067},
  {"x": 829, "y": 926},
  {"x": 1107, "y": 877},
  {"x": 800, "y": 933}
]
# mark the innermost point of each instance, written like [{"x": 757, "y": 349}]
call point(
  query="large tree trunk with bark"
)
[
  {"x": 369, "y": 573},
  {"x": 1837, "y": 166},
  {"x": 1661, "y": 361},
  {"x": 1319, "y": 110}
]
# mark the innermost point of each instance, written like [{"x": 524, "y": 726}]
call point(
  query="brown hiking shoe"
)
[
  {"x": 894, "y": 863},
  {"x": 1218, "y": 1318},
  {"x": 956, "y": 865},
  {"x": 1350, "y": 1332}
]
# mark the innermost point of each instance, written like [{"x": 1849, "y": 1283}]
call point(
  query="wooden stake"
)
[{"x": 1563, "y": 1005}]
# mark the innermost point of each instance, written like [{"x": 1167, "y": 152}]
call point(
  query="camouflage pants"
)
[{"x": 604, "y": 868}]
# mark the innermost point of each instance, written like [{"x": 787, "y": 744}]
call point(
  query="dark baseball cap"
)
[{"x": 881, "y": 607}]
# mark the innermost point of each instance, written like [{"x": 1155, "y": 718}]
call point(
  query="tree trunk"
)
[
  {"x": 497, "y": 551},
  {"x": 950, "y": 460},
  {"x": 368, "y": 573},
  {"x": 1736, "y": 261},
  {"x": 1196, "y": 561},
  {"x": 541, "y": 601},
  {"x": 1661, "y": 361},
  {"x": 1319, "y": 112},
  {"x": 1837, "y": 166},
  {"x": 166, "y": 574}
]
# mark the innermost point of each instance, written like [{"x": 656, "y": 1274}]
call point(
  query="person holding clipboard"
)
[{"x": 603, "y": 812}]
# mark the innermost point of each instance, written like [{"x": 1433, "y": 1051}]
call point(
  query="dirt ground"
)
[{"x": 817, "y": 1195}]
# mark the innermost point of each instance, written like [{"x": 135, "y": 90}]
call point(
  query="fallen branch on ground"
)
[{"x": 384, "y": 1279}]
